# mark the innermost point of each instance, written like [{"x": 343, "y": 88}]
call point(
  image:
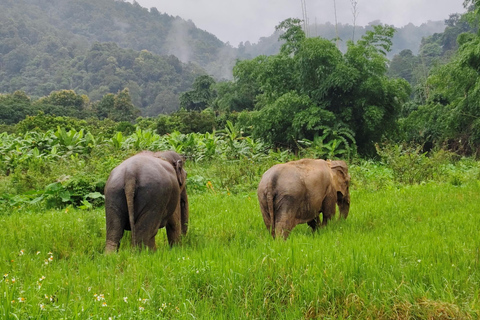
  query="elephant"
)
[
  {"x": 298, "y": 191},
  {"x": 144, "y": 193}
]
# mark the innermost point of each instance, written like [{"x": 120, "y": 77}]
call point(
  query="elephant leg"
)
[
  {"x": 283, "y": 229},
  {"x": 314, "y": 223},
  {"x": 284, "y": 225},
  {"x": 146, "y": 229},
  {"x": 173, "y": 233},
  {"x": 113, "y": 239},
  {"x": 150, "y": 243},
  {"x": 174, "y": 227},
  {"x": 146, "y": 238},
  {"x": 184, "y": 211},
  {"x": 111, "y": 246},
  {"x": 115, "y": 226},
  {"x": 328, "y": 209}
]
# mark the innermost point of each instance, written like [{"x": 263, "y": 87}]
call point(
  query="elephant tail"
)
[
  {"x": 130, "y": 195},
  {"x": 271, "y": 213}
]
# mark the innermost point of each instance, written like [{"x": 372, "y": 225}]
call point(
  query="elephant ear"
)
[
  {"x": 341, "y": 177},
  {"x": 176, "y": 161},
  {"x": 180, "y": 172}
]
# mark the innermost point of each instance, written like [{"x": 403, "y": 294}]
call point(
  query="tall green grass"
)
[{"x": 403, "y": 253}]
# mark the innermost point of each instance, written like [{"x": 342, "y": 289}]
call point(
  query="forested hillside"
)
[
  {"x": 116, "y": 60},
  {"x": 101, "y": 47},
  {"x": 128, "y": 25}
]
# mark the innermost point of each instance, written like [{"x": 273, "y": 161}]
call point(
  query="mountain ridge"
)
[{"x": 48, "y": 45}]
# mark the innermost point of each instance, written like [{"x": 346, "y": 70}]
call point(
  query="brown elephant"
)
[
  {"x": 298, "y": 191},
  {"x": 144, "y": 193}
]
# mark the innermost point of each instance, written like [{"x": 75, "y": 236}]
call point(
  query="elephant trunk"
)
[
  {"x": 184, "y": 210},
  {"x": 344, "y": 208}
]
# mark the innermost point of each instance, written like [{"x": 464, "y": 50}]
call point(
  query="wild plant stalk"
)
[
  {"x": 355, "y": 15},
  {"x": 336, "y": 23},
  {"x": 305, "y": 17}
]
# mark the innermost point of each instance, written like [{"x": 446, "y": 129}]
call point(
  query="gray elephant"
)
[
  {"x": 144, "y": 193},
  {"x": 298, "y": 191}
]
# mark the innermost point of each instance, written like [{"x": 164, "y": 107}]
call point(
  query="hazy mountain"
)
[{"x": 100, "y": 46}]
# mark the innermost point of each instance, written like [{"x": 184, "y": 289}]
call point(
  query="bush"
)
[
  {"x": 410, "y": 164},
  {"x": 79, "y": 191},
  {"x": 370, "y": 175},
  {"x": 187, "y": 122},
  {"x": 44, "y": 123}
]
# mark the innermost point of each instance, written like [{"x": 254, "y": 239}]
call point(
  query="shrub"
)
[{"x": 410, "y": 164}]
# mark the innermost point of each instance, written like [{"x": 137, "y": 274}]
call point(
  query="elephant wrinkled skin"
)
[
  {"x": 298, "y": 191},
  {"x": 144, "y": 193}
]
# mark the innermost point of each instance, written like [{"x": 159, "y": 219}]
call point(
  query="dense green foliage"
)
[
  {"x": 18, "y": 108},
  {"x": 433, "y": 50},
  {"x": 443, "y": 111},
  {"x": 310, "y": 87},
  {"x": 68, "y": 166},
  {"x": 201, "y": 96}
]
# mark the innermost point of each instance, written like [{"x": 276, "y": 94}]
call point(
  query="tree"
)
[
  {"x": 123, "y": 108},
  {"x": 274, "y": 123},
  {"x": 403, "y": 65},
  {"x": 67, "y": 99},
  {"x": 293, "y": 35},
  {"x": 201, "y": 96},
  {"x": 448, "y": 115},
  {"x": 15, "y": 107},
  {"x": 186, "y": 122},
  {"x": 310, "y": 86},
  {"x": 104, "y": 106},
  {"x": 117, "y": 107}
]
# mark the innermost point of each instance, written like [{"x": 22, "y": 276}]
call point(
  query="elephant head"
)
[
  {"x": 178, "y": 161},
  {"x": 341, "y": 183}
]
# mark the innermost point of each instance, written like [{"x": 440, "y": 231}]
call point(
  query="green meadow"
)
[{"x": 405, "y": 252}]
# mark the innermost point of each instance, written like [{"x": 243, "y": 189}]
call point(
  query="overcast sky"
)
[{"x": 248, "y": 20}]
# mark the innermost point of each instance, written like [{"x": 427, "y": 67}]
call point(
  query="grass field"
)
[{"x": 403, "y": 253}]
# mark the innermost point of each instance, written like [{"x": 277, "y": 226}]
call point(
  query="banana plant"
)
[
  {"x": 143, "y": 139},
  {"x": 68, "y": 139},
  {"x": 208, "y": 146},
  {"x": 117, "y": 141},
  {"x": 175, "y": 140}
]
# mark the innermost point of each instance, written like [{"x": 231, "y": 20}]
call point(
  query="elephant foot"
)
[
  {"x": 111, "y": 246},
  {"x": 282, "y": 233}
]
